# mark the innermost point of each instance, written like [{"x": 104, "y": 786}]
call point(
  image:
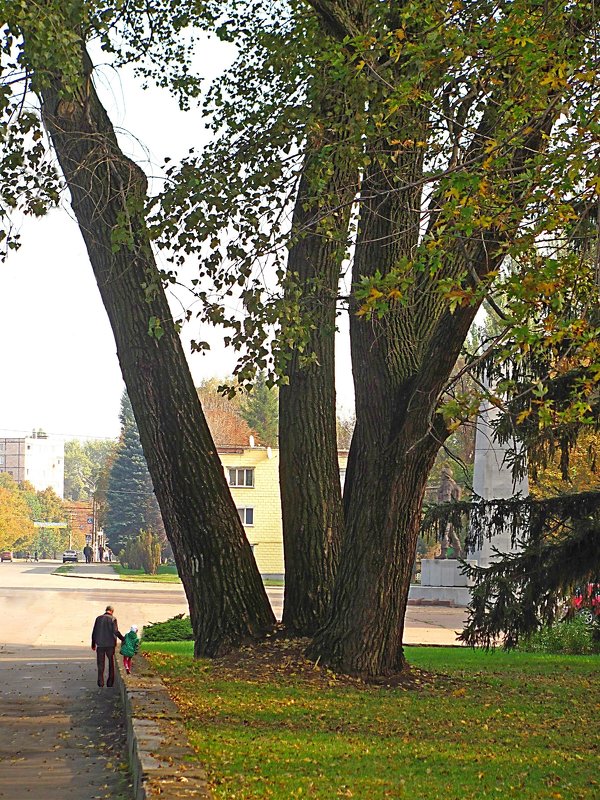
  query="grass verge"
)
[
  {"x": 64, "y": 568},
  {"x": 465, "y": 724},
  {"x": 167, "y": 573}
]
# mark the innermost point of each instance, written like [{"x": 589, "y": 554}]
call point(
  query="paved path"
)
[{"x": 61, "y": 737}]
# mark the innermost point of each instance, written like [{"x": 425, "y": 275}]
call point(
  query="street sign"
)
[
  {"x": 90, "y": 520},
  {"x": 50, "y": 525}
]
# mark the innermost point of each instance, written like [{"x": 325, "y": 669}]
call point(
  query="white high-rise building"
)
[{"x": 38, "y": 459}]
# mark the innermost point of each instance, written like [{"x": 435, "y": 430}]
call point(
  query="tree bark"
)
[
  {"x": 228, "y": 603},
  {"x": 311, "y": 496}
]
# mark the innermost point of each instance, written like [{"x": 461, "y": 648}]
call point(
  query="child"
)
[{"x": 129, "y": 647}]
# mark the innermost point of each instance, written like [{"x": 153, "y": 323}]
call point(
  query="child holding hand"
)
[{"x": 129, "y": 647}]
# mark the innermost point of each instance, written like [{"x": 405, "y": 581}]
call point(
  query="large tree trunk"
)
[
  {"x": 228, "y": 603},
  {"x": 392, "y": 448},
  {"x": 311, "y": 495},
  {"x": 401, "y": 364}
]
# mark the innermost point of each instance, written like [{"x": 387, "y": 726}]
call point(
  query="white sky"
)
[{"x": 58, "y": 358}]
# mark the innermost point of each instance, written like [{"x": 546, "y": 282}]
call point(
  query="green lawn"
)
[
  {"x": 472, "y": 725},
  {"x": 167, "y": 573},
  {"x": 62, "y": 570}
]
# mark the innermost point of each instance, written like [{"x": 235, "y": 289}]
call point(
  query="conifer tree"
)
[
  {"x": 260, "y": 410},
  {"x": 132, "y": 506}
]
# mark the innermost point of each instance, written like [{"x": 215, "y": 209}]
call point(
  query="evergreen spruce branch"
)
[
  {"x": 559, "y": 541},
  {"x": 522, "y": 591}
]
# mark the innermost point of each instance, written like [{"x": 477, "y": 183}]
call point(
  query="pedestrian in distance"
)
[
  {"x": 129, "y": 647},
  {"x": 104, "y": 641},
  {"x": 101, "y": 554}
]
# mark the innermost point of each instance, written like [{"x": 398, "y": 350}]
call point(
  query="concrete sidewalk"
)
[
  {"x": 60, "y": 736},
  {"x": 96, "y": 570}
]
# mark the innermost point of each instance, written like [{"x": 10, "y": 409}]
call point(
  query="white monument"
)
[
  {"x": 442, "y": 581},
  {"x": 442, "y": 578}
]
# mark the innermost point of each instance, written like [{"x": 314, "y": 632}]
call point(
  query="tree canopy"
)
[{"x": 20, "y": 506}]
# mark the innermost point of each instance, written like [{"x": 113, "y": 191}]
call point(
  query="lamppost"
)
[
  {"x": 90, "y": 531},
  {"x": 94, "y": 518}
]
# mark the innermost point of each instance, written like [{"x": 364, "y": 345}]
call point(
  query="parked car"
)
[
  {"x": 585, "y": 602},
  {"x": 6, "y": 555},
  {"x": 70, "y": 555}
]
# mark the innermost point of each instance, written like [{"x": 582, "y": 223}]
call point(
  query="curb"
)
[
  {"x": 117, "y": 578},
  {"x": 162, "y": 763}
]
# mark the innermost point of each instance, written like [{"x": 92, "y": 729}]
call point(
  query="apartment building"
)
[
  {"x": 252, "y": 472},
  {"x": 38, "y": 459}
]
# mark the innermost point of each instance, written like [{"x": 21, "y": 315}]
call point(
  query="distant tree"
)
[
  {"x": 213, "y": 395},
  {"x": 131, "y": 504},
  {"x": 260, "y": 409},
  {"x": 16, "y": 523},
  {"x": 345, "y": 429},
  {"x": 85, "y": 464},
  {"x": 459, "y": 453},
  {"x": 49, "y": 541},
  {"x": 33, "y": 500}
]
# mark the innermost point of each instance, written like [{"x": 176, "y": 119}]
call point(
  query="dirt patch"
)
[{"x": 281, "y": 659}]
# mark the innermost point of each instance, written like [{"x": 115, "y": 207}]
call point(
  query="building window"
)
[
  {"x": 243, "y": 477},
  {"x": 342, "y": 477},
  {"x": 246, "y": 515},
  {"x": 2, "y": 461}
]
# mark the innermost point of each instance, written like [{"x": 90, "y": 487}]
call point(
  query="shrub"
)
[
  {"x": 143, "y": 552},
  {"x": 176, "y": 629},
  {"x": 570, "y": 637}
]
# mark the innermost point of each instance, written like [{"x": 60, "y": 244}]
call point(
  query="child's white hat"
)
[{"x": 134, "y": 628}]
